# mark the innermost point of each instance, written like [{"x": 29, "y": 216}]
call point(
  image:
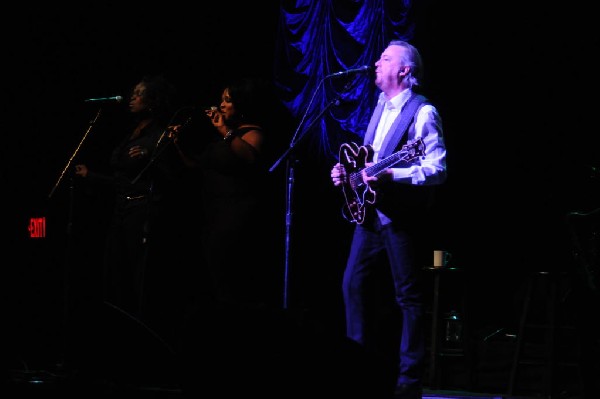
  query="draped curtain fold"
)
[{"x": 317, "y": 38}]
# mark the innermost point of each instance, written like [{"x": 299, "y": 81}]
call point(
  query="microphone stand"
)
[
  {"x": 160, "y": 150},
  {"x": 69, "y": 242},
  {"x": 68, "y": 165},
  {"x": 289, "y": 177}
]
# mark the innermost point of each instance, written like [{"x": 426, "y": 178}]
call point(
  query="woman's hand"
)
[
  {"x": 216, "y": 117},
  {"x": 173, "y": 132},
  {"x": 81, "y": 170},
  {"x": 137, "y": 152}
]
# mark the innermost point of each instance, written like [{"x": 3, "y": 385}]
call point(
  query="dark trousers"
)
[
  {"x": 369, "y": 244},
  {"x": 126, "y": 258}
]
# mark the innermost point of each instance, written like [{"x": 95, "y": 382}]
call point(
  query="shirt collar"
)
[{"x": 396, "y": 102}]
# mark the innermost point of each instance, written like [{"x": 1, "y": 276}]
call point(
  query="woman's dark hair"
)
[
  {"x": 251, "y": 98},
  {"x": 159, "y": 95}
]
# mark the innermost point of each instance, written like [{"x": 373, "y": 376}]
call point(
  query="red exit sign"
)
[{"x": 37, "y": 227}]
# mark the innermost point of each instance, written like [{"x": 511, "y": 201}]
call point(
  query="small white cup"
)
[{"x": 441, "y": 258}]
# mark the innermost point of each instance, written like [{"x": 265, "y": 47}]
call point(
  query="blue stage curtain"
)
[{"x": 317, "y": 38}]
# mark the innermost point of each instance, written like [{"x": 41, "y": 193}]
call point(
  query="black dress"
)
[
  {"x": 140, "y": 186},
  {"x": 233, "y": 240}
]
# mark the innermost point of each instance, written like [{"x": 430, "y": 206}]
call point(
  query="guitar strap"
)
[
  {"x": 400, "y": 125},
  {"x": 370, "y": 134}
]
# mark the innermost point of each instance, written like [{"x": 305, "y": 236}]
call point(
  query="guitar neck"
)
[
  {"x": 385, "y": 163},
  {"x": 407, "y": 153},
  {"x": 356, "y": 179}
]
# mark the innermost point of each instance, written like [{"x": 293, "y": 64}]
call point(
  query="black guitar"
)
[{"x": 357, "y": 194}]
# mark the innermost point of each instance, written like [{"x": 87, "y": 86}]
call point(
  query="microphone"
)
[
  {"x": 115, "y": 99},
  {"x": 362, "y": 69}
]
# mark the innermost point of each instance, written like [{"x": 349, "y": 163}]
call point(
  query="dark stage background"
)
[{"x": 516, "y": 85}]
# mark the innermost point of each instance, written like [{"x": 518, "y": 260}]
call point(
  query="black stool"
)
[{"x": 449, "y": 337}]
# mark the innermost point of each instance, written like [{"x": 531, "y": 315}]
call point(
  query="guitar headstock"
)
[{"x": 413, "y": 149}]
